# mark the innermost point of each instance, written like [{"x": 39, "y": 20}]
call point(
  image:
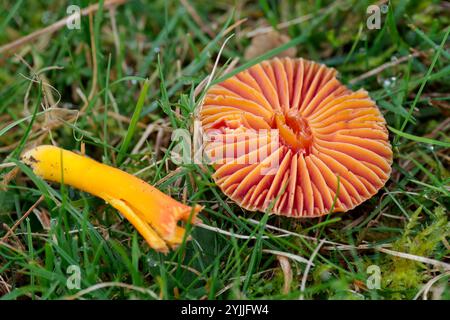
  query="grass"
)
[{"x": 138, "y": 67}]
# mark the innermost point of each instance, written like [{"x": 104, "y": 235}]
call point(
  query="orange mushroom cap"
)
[{"x": 285, "y": 136}]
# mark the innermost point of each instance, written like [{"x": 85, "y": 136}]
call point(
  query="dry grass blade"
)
[
  {"x": 384, "y": 66},
  {"x": 232, "y": 234},
  {"x": 103, "y": 285},
  {"x": 426, "y": 288},
  {"x": 18, "y": 222},
  {"x": 308, "y": 267},
  {"x": 55, "y": 26},
  {"x": 413, "y": 257},
  {"x": 203, "y": 26},
  {"x": 289, "y": 255},
  {"x": 287, "y": 272}
]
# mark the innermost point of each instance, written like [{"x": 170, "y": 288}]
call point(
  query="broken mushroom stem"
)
[{"x": 154, "y": 214}]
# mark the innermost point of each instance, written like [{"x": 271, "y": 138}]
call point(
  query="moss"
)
[{"x": 400, "y": 275}]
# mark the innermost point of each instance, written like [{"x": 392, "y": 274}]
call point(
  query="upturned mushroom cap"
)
[{"x": 287, "y": 137}]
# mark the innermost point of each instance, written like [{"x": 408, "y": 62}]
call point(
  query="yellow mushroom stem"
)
[{"x": 154, "y": 214}]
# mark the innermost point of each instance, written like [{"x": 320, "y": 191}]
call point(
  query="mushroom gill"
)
[{"x": 329, "y": 144}]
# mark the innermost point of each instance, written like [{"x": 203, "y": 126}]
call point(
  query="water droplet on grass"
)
[{"x": 389, "y": 82}]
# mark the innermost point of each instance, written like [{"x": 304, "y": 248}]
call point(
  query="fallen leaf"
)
[{"x": 267, "y": 41}]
